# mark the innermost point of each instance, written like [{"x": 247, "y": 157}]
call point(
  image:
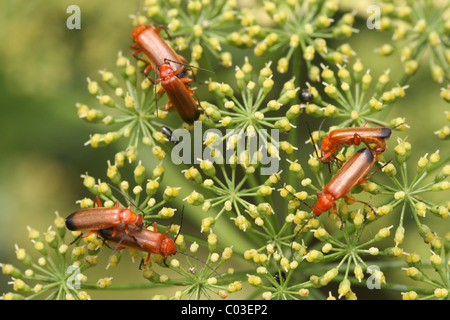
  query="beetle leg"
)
[
  {"x": 136, "y": 52},
  {"x": 97, "y": 202},
  {"x": 363, "y": 202},
  {"x": 335, "y": 211},
  {"x": 82, "y": 236},
  {"x": 88, "y": 234},
  {"x": 168, "y": 106},
  {"x": 380, "y": 149},
  {"x": 144, "y": 263},
  {"x": 147, "y": 70},
  {"x": 186, "y": 81}
]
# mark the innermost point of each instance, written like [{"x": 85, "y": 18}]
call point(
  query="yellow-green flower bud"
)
[
  {"x": 414, "y": 273},
  {"x": 441, "y": 293},
  {"x": 434, "y": 160},
  {"x": 321, "y": 234},
  {"x": 283, "y": 65},
  {"x": 382, "y": 233},
  {"x": 235, "y": 286},
  {"x": 314, "y": 256},
  {"x": 226, "y": 59},
  {"x": 309, "y": 53},
  {"x": 344, "y": 287},
  {"x": 208, "y": 168},
  {"x": 402, "y": 151},
  {"x": 399, "y": 235},
  {"x": 297, "y": 169},
  {"x": 440, "y": 211},
  {"x": 410, "y": 67},
  {"x": 426, "y": 233},
  {"x": 265, "y": 208},
  {"x": 193, "y": 174},
  {"x": 195, "y": 198},
  {"x": 385, "y": 50},
  {"x": 436, "y": 261},
  {"x": 413, "y": 260},
  {"x": 315, "y": 164},
  {"x": 327, "y": 277},
  {"x": 359, "y": 273},
  {"x": 20, "y": 286},
  {"x": 410, "y": 295},
  {"x": 12, "y": 271},
  {"x": 254, "y": 280},
  {"x": 170, "y": 193},
  {"x": 331, "y": 91},
  {"x": 206, "y": 224},
  {"x": 166, "y": 212}
]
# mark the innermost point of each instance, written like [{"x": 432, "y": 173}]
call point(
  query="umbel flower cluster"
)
[
  {"x": 241, "y": 216},
  {"x": 419, "y": 29}
]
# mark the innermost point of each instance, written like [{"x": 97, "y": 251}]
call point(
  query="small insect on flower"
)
[
  {"x": 169, "y": 134},
  {"x": 354, "y": 136},
  {"x": 306, "y": 96},
  {"x": 148, "y": 41},
  {"x": 349, "y": 175},
  {"x": 94, "y": 219},
  {"x": 145, "y": 240},
  {"x": 140, "y": 239},
  {"x": 178, "y": 92},
  {"x": 171, "y": 68}
]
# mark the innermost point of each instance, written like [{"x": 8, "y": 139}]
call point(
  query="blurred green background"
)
[{"x": 43, "y": 70}]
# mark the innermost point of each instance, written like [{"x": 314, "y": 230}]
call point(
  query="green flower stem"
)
[{"x": 240, "y": 242}]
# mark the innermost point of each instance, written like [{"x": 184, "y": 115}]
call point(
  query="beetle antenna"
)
[
  {"x": 320, "y": 128},
  {"x": 401, "y": 124},
  {"x": 181, "y": 223},
  {"x": 75, "y": 240},
  {"x": 138, "y": 5},
  {"x": 312, "y": 140},
  {"x": 194, "y": 257},
  {"x": 188, "y": 65},
  {"x": 126, "y": 197},
  {"x": 156, "y": 98}
]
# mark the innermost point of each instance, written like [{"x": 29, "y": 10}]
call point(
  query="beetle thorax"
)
[
  {"x": 168, "y": 247},
  {"x": 324, "y": 203}
]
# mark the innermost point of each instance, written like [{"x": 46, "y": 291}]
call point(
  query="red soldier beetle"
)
[
  {"x": 156, "y": 49},
  {"x": 145, "y": 240},
  {"x": 141, "y": 239},
  {"x": 354, "y": 136},
  {"x": 162, "y": 58},
  {"x": 94, "y": 219},
  {"x": 349, "y": 175},
  {"x": 178, "y": 92}
]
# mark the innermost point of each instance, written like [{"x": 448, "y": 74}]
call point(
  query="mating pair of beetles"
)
[
  {"x": 354, "y": 170},
  {"x": 118, "y": 225}
]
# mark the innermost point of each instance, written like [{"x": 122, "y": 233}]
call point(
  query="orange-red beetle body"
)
[
  {"x": 179, "y": 94},
  {"x": 354, "y": 136},
  {"x": 141, "y": 239},
  {"x": 350, "y": 174},
  {"x": 156, "y": 49},
  {"x": 94, "y": 219}
]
